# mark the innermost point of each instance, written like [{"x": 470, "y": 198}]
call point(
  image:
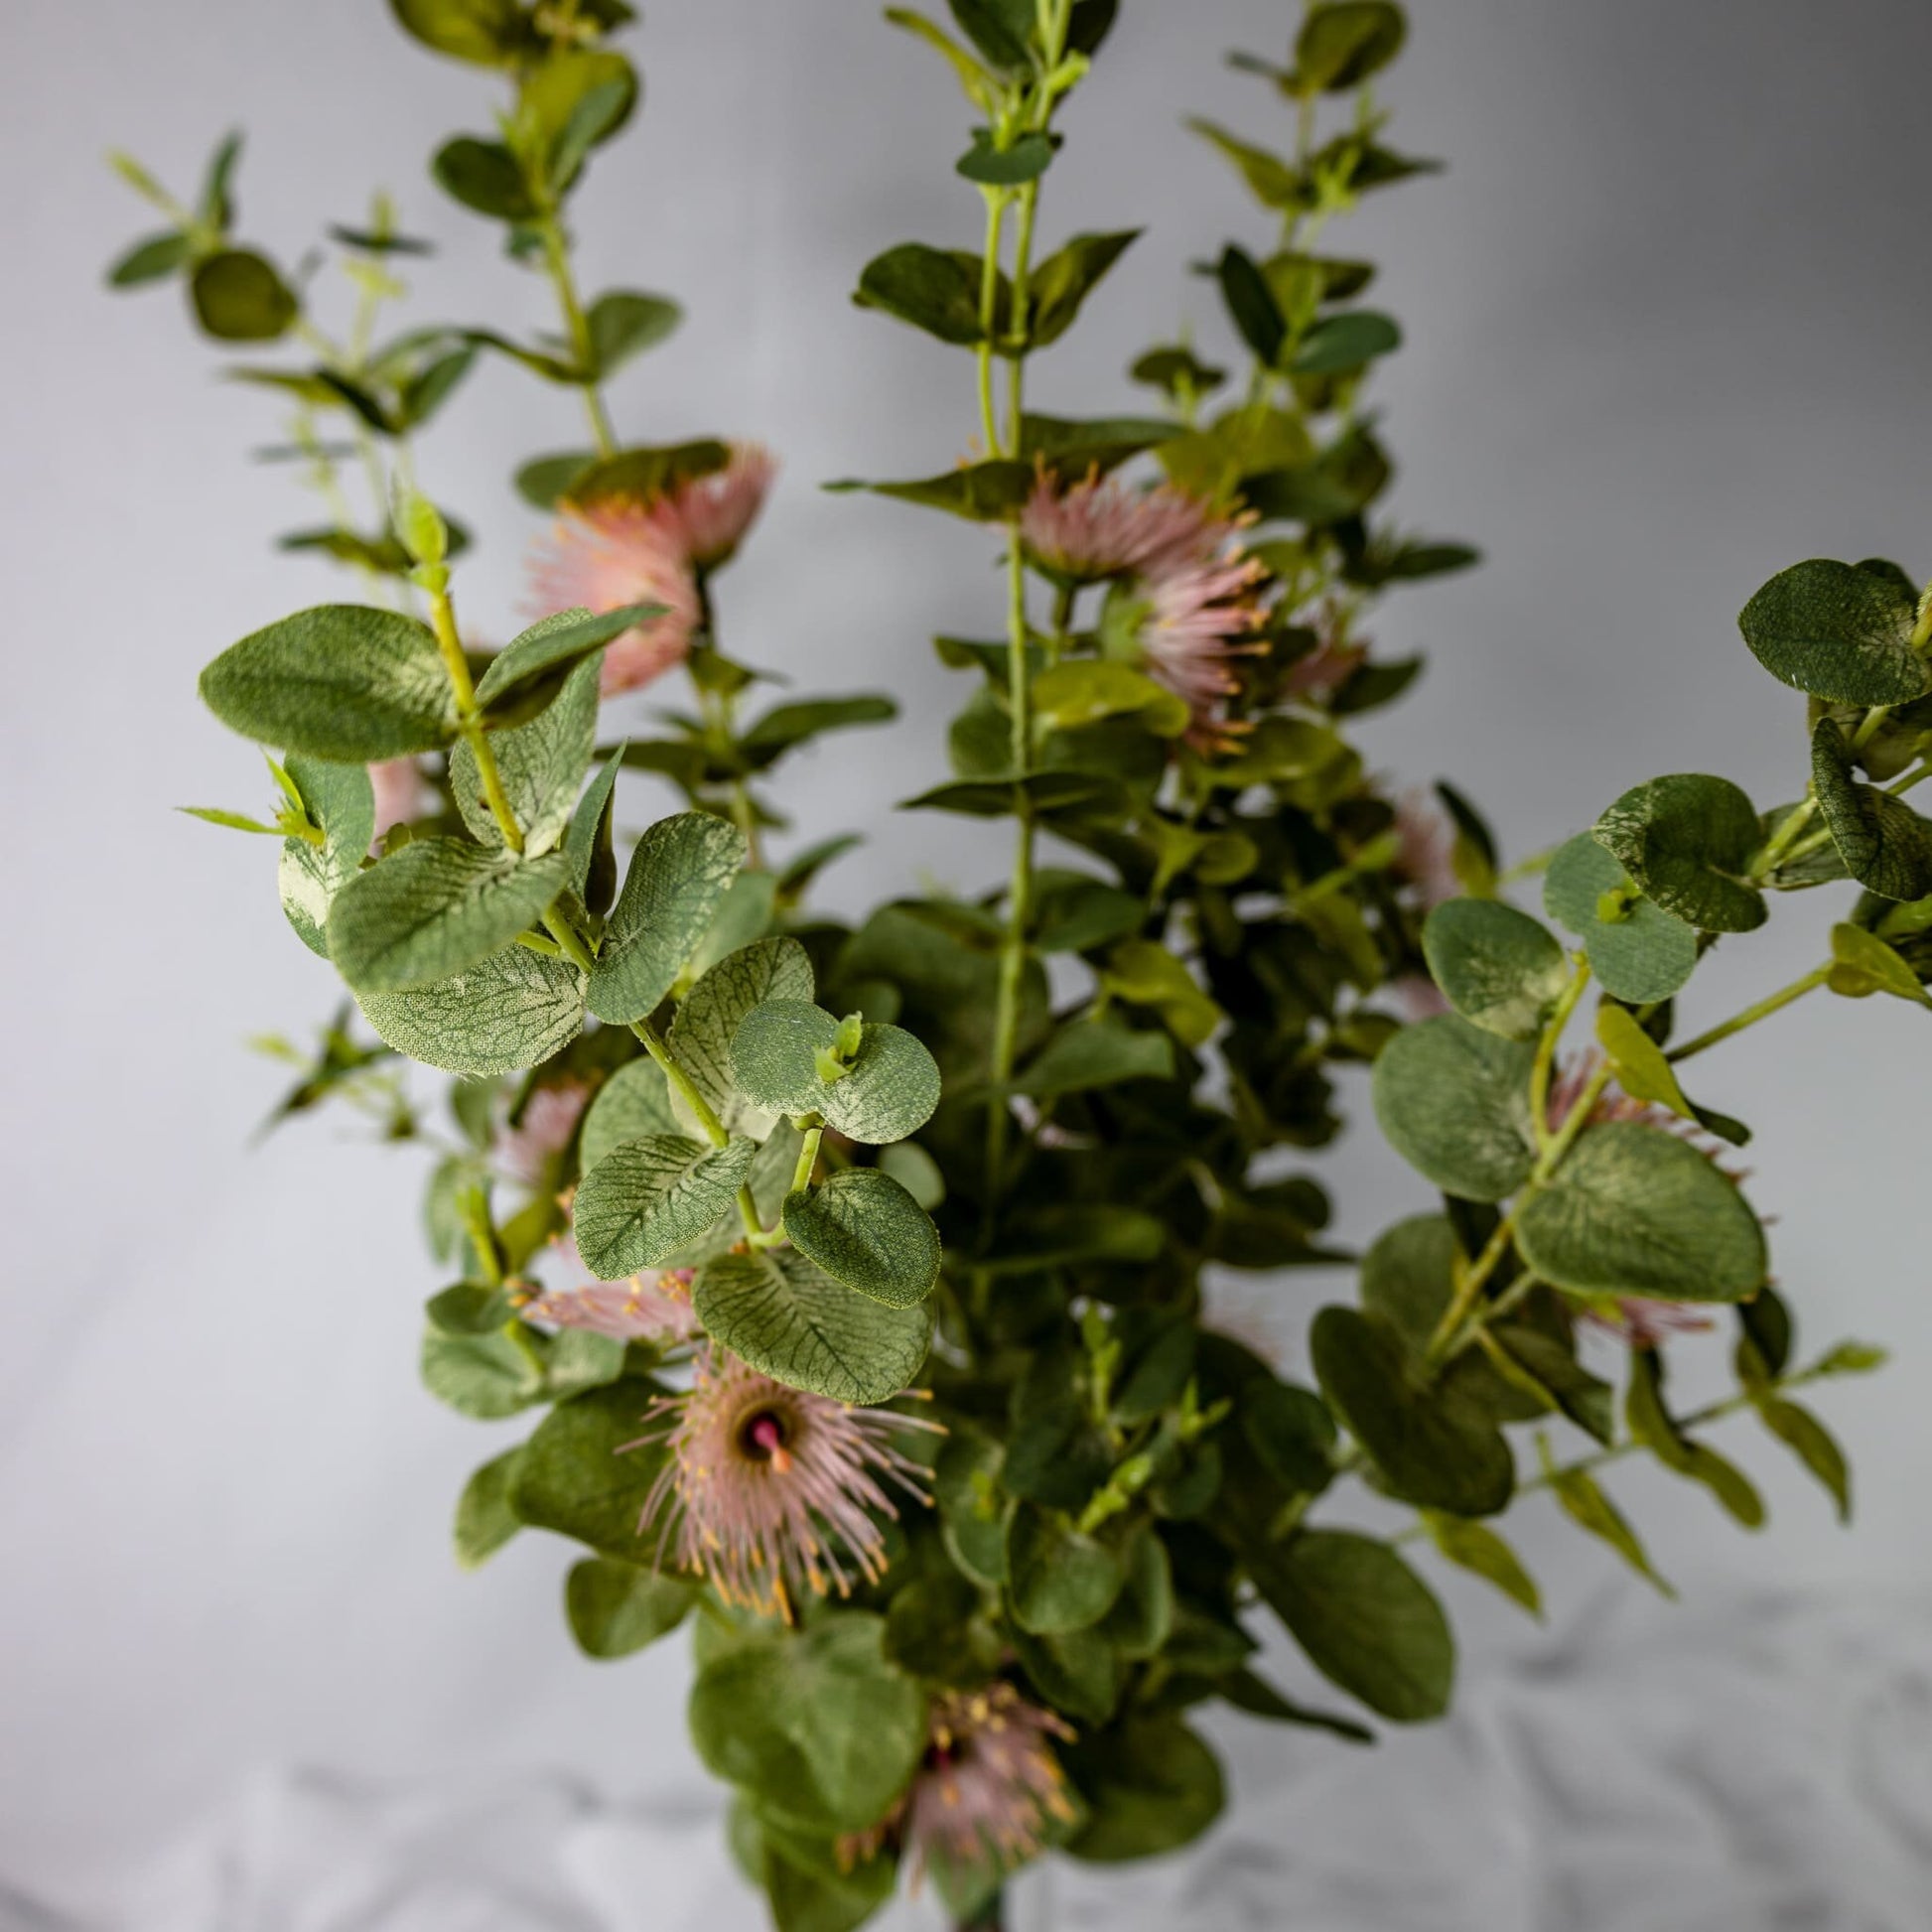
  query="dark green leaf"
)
[
  {"x": 1342, "y": 43},
  {"x": 616, "y": 1609},
  {"x": 1454, "y": 1102},
  {"x": 789, "y": 1319},
  {"x": 239, "y": 298},
  {"x": 486, "y": 177},
  {"x": 1058, "y": 1579},
  {"x": 865, "y": 1230},
  {"x": 1434, "y": 1451},
  {"x": 982, "y": 492},
  {"x": 1366, "y": 1620},
  {"x": 1839, "y": 632},
  {"x": 488, "y": 32},
  {"x": 1345, "y": 342},
  {"x": 1886, "y": 847},
  {"x": 509, "y": 1011},
  {"x": 623, "y": 324},
  {"x": 1026, "y": 160},
  {"x": 150, "y": 260},
  {"x": 434, "y": 910},
  {"x": 677, "y": 880},
  {"x": 1152, "y": 1785},
  {"x": 1251, "y": 304},
  {"x": 484, "y": 1521},
  {"x": 342, "y": 681},
  {"x": 1808, "y": 1438},
  {"x": 934, "y": 289},
  {"x": 1689, "y": 841},
  {"x": 1476, "y": 1548},
  {"x": 1064, "y": 281},
  {"x": 646, "y": 1199},
  {"x": 585, "y": 1472},
  {"x": 1635, "y": 1210},
  {"x": 1497, "y": 967}
]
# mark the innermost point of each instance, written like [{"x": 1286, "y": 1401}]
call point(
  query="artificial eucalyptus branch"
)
[{"x": 861, "y": 1279}]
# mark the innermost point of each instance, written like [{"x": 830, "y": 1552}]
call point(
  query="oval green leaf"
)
[
  {"x": 1838, "y": 631},
  {"x": 865, "y": 1230},
  {"x": 1635, "y": 1210},
  {"x": 647, "y": 1198},
  {"x": 1453, "y": 1101},
  {"x": 1689, "y": 840},
  {"x": 1642, "y": 955},
  {"x": 1497, "y": 967},
  {"x": 510, "y": 1011}
]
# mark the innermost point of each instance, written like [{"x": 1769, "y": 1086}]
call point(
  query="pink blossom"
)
[
  {"x": 400, "y": 792},
  {"x": 654, "y": 1308},
  {"x": 706, "y": 517},
  {"x": 543, "y": 1129},
  {"x": 987, "y": 1788},
  {"x": 1426, "y": 849},
  {"x": 1100, "y": 529},
  {"x": 770, "y": 1490},
  {"x": 605, "y": 557},
  {"x": 1197, "y": 618}
]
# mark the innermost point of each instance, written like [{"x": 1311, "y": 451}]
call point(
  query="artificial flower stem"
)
[
  {"x": 1752, "y": 1015},
  {"x": 801, "y": 1175},
  {"x": 556, "y": 261},
  {"x": 1545, "y": 1048},
  {"x": 706, "y": 1116},
  {"x": 442, "y": 618}
]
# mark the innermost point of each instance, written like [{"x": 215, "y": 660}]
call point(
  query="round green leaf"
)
[
  {"x": 1886, "y": 847},
  {"x": 1367, "y": 1621},
  {"x": 1454, "y": 1102},
  {"x": 1058, "y": 1579},
  {"x": 791, "y": 1321},
  {"x": 1342, "y": 43},
  {"x": 1635, "y": 1210},
  {"x": 615, "y": 1607},
  {"x": 633, "y": 1105},
  {"x": 889, "y": 1091},
  {"x": 510, "y": 1011},
  {"x": 865, "y": 1230},
  {"x": 239, "y": 298},
  {"x": 1840, "y": 632},
  {"x": 712, "y": 1012},
  {"x": 342, "y": 681},
  {"x": 1689, "y": 841},
  {"x": 1496, "y": 966},
  {"x": 1150, "y": 1786},
  {"x": 488, "y": 32},
  {"x": 1641, "y": 955},
  {"x": 486, "y": 177},
  {"x": 541, "y": 764},
  {"x": 677, "y": 880},
  {"x": 436, "y": 907},
  {"x": 645, "y": 1199},
  {"x": 817, "y": 1726},
  {"x": 972, "y": 1511},
  {"x": 584, "y": 1473},
  {"x": 1434, "y": 1451}
]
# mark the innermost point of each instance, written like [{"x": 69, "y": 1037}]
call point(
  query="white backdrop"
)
[{"x": 1666, "y": 334}]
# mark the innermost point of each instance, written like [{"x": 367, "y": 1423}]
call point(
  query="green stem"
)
[
  {"x": 1752, "y": 1015},
  {"x": 996, "y": 218},
  {"x": 556, "y": 259},
  {"x": 801, "y": 1175},
  {"x": 442, "y": 618},
  {"x": 1545, "y": 1048},
  {"x": 702, "y": 1112}
]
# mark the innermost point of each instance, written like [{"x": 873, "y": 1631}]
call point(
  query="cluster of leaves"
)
[{"x": 992, "y": 1149}]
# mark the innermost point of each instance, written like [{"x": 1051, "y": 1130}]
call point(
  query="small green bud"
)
[
  {"x": 1613, "y": 907},
  {"x": 830, "y": 1068},
  {"x": 420, "y": 526},
  {"x": 851, "y": 1033}
]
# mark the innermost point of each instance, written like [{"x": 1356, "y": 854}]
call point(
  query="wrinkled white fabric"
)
[{"x": 1759, "y": 1766}]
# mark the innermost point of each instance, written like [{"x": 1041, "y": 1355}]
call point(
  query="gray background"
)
[{"x": 1666, "y": 324}]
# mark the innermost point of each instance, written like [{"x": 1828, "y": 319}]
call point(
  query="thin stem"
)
[
  {"x": 996, "y": 218},
  {"x": 1752, "y": 1015},
  {"x": 442, "y": 616},
  {"x": 801, "y": 1175},
  {"x": 556, "y": 260},
  {"x": 1545, "y": 1048}
]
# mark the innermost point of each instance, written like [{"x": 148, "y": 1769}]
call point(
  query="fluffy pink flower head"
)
[
  {"x": 1195, "y": 621},
  {"x": 646, "y": 1308},
  {"x": 988, "y": 1784},
  {"x": 542, "y": 1131},
  {"x": 706, "y": 517},
  {"x": 400, "y": 792},
  {"x": 1426, "y": 849},
  {"x": 771, "y": 1491},
  {"x": 1100, "y": 529},
  {"x": 609, "y": 555}
]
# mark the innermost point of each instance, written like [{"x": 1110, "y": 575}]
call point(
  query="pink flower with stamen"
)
[
  {"x": 1426, "y": 849},
  {"x": 646, "y": 1308},
  {"x": 1100, "y": 529},
  {"x": 542, "y": 1131},
  {"x": 1197, "y": 620},
  {"x": 401, "y": 792},
  {"x": 706, "y": 517},
  {"x": 771, "y": 1491},
  {"x": 605, "y": 557},
  {"x": 986, "y": 1790}
]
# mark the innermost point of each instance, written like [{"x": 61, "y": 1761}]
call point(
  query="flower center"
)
[{"x": 763, "y": 1437}]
